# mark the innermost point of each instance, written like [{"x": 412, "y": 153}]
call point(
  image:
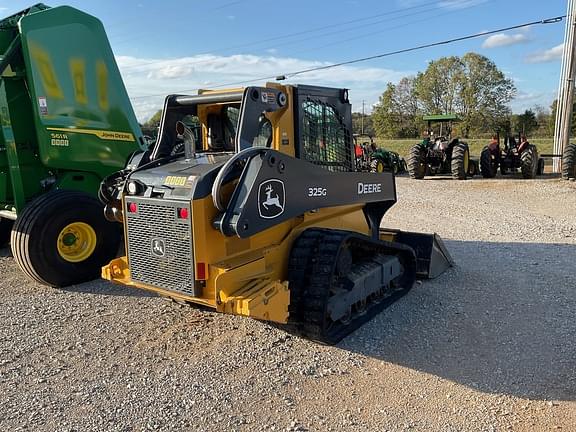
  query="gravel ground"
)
[{"x": 488, "y": 346}]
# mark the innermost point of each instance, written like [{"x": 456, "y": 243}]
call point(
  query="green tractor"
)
[
  {"x": 440, "y": 153},
  {"x": 67, "y": 123},
  {"x": 371, "y": 158}
]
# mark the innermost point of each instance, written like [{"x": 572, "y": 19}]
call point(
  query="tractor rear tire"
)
[
  {"x": 488, "y": 166},
  {"x": 417, "y": 162},
  {"x": 5, "y": 229},
  {"x": 377, "y": 165},
  {"x": 62, "y": 238},
  {"x": 569, "y": 162},
  {"x": 529, "y": 162},
  {"x": 460, "y": 161}
]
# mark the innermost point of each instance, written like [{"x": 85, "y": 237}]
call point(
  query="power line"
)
[
  {"x": 471, "y": 3},
  {"x": 310, "y": 31},
  {"x": 197, "y": 62},
  {"x": 553, "y": 20}
]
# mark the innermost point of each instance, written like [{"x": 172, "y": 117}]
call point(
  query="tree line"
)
[{"x": 470, "y": 86}]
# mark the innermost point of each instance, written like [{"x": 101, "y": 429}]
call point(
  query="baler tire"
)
[
  {"x": 460, "y": 161},
  {"x": 488, "y": 166},
  {"x": 41, "y": 230},
  {"x": 417, "y": 162},
  {"x": 569, "y": 162},
  {"x": 5, "y": 229},
  {"x": 529, "y": 162}
]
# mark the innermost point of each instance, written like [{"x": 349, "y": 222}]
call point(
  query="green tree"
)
[
  {"x": 359, "y": 119},
  {"x": 440, "y": 85},
  {"x": 384, "y": 117},
  {"x": 484, "y": 94},
  {"x": 525, "y": 123},
  {"x": 150, "y": 127},
  {"x": 397, "y": 114}
]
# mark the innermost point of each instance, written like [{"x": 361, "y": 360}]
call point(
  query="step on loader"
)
[
  {"x": 265, "y": 215},
  {"x": 66, "y": 123}
]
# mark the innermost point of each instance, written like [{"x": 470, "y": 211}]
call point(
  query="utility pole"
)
[
  {"x": 362, "y": 122},
  {"x": 566, "y": 87}
]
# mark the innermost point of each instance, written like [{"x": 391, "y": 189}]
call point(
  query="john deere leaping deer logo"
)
[{"x": 271, "y": 198}]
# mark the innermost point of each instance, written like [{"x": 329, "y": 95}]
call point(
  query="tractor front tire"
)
[
  {"x": 460, "y": 161},
  {"x": 569, "y": 162},
  {"x": 5, "y": 229},
  {"x": 62, "y": 238},
  {"x": 417, "y": 162},
  {"x": 529, "y": 162},
  {"x": 377, "y": 165},
  {"x": 488, "y": 165}
]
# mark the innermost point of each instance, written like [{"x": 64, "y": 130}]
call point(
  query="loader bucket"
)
[{"x": 432, "y": 257}]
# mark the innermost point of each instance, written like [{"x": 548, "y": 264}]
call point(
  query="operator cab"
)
[{"x": 209, "y": 124}]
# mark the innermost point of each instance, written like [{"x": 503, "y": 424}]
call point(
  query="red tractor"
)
[{"x": 515, "y": 155}]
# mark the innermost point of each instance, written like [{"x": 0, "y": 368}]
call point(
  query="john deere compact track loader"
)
[
  {"x": 265, "y": 215},
  {"x": 66, "y": 123}
]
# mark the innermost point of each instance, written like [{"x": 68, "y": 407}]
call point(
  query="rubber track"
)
[
  {"x": 569, "y": 162},
  {"x": 311, "y": 274}
]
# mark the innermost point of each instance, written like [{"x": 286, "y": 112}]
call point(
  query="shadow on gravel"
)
[
  {"x": 502, "y": 321},
  {"x": 5, "y": 252}
]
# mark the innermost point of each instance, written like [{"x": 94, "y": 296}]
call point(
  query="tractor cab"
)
[{"x": 440, "y": 130}]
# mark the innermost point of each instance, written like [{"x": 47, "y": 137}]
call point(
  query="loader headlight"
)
[{"x": 134, "y": 187}]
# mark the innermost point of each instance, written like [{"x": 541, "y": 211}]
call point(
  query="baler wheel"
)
[{"x": 62, "y": 238}]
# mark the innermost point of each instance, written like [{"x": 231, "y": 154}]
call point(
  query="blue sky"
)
[{"x": 168, "y": 46}]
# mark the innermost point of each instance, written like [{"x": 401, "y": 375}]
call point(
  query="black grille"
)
[
  {"x": 326, "y": 141},
  {"x": 160, "y": 245}
]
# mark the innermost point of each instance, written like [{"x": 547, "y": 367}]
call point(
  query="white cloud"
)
[
  {"x": 445, "y": 4},
  {"x": 460, "y": 4},
  {"x": 552, "y": 54},
  {"x": 501, "y": 39},
  {"x": 529, "y": 99},
  {"x": 146, "y": 76}
]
